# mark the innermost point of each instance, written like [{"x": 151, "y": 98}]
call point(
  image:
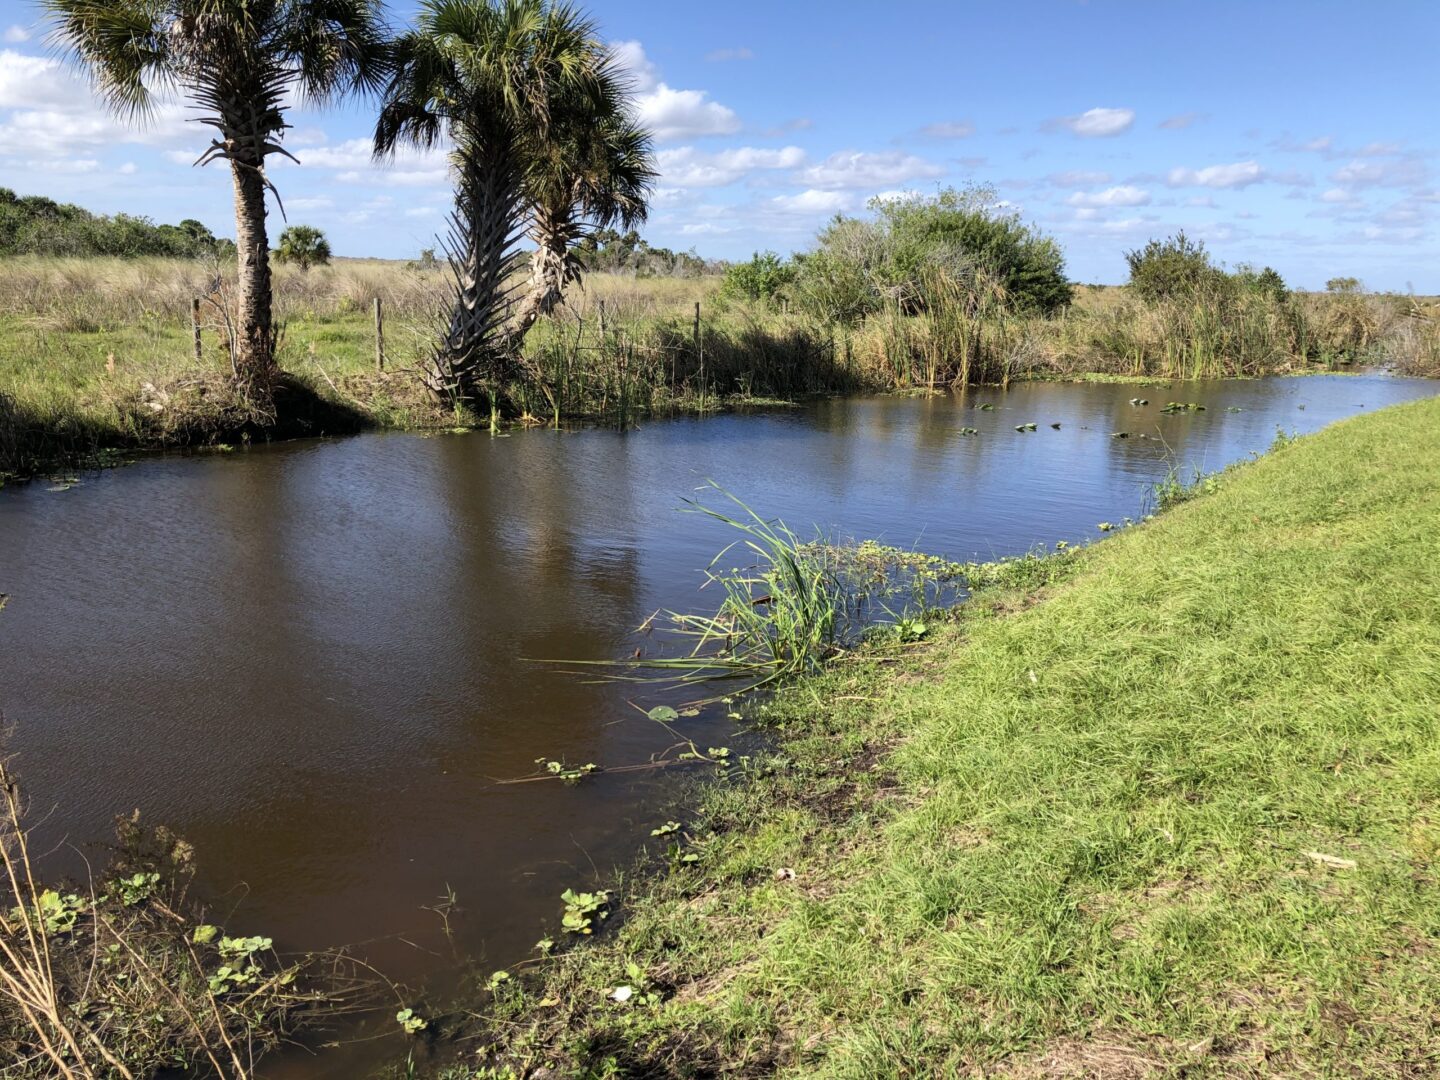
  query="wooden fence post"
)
[
  {"x": 379, "y": 337},
  {"x": 602, "y": 322},
  {"x": 195, "y": 324}
]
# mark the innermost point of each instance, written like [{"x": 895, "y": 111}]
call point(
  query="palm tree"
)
[
  {"x": 237, "y": 60},
  {"x": 303, "y": 245},
  {"x": 595, "y": 172},
  {"x": 486, "y": 74}
]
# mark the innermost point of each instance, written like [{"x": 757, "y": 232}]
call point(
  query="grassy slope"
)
[{"x": 1071, "y": 836}]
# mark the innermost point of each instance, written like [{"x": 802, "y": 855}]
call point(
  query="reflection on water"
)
[{"x": 314, "y": 660}]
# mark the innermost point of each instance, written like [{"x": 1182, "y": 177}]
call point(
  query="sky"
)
[{"x": 1299, "y": 135}]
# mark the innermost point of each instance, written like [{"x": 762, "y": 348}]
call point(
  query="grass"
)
[
  {"x": 1168, "y": 805},
  {"x": 97, "y": 354}
]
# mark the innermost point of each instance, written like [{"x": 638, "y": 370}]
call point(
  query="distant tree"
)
[
  {"x": 238, "y": 60},
  {"x": 1175, "y": 266},
  {"x": 762, "y": 278},
  {"x": 303, "y": 246},
  {"x": 1343, "y": 285},
  {"x": 917, "y": 247},
  {"x": 1266, "y": 282}
]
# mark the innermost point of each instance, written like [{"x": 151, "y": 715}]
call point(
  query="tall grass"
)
[{"x": 98, "y": 353}]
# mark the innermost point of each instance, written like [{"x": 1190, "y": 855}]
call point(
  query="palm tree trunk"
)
[
  {"x": 474, "y": 360},
  {"x": 551, "y": 268},
  {"x": 254, "y": 352}
]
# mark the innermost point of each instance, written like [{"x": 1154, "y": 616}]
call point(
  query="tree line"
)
[{"x": 533, "y": 107}]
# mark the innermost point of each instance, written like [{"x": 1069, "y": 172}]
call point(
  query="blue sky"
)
[{"x": 1299, "y": 135}]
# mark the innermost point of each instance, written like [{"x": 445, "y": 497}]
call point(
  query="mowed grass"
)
[{"x": 1173, "y": 810}]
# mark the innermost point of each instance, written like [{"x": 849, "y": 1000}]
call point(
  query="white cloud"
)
[
  {"x": 705, "y": 228},
  {"x": 320, "y": 202},
  {"x": 63, "y": 165},
  {"x": 1204, "y": 202},
  {"x": 354, "y": 158},
  {"x": 36, "y": 82},
  {"x": 53, "y": 112},
  {"x": 1317, "y": 145},
  {"x": 949, "y": 129},
  {"x": 16, "y": 34},
  {"x": 1078, "y": 178},
  {"x": 1180, "y": 121},
  {"x": 1098, "y": 123},
  {"x": 630, "y": 55},
  {"x": 857, "y": 169},
  {"x": 686, "y": 167},
  {"x": 683, "y": 114},
  {"x": 814, "y": 201},
  {"x": 720, "y": 56},
  {"x": 1238, "y": 175},
  {"x": 128, "y": 169},
  {"x": 1124, "y": 195},
  {"x": 1339, "y": 195},
  {"x": 1403, "y": 172},
  {"x": 669, "y": 113}
]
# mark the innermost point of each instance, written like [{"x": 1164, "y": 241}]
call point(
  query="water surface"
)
[{"x": 313, "y": 660}]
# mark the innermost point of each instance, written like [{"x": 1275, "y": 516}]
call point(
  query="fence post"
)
[
  {"x": 195, "y": 324},
  {"x": 602, "y": 322},
  {"x": 379, "y": 337}
]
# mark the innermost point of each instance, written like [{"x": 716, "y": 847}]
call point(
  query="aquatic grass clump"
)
[
  {"x": 782, "y": 614},
  {"x": 798, "y": 604}
]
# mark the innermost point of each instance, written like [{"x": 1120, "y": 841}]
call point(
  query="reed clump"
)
[{"x": 122, "y": 976}]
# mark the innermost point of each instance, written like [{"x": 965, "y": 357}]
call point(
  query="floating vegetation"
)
[
  {"x": 1173, "y": 407},
  {"x": 969, "y": 431},
  {"x": 583, "y": 910},
  {"x": 1139, "y": 401},
  {"x": 1119, "y": 434},
  {"x": 1234, "y": 408},
  {"x": 1105, "y": 526},
  {"x": 1055, "y": 426},
  {"x": 1024, "y": 427},
  {"x": 570, "y": 774},
  {"x": 984, "y": 406}
]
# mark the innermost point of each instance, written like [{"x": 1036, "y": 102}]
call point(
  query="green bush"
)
[
  {"x": 762, "y": 278},
  {"x": 1172, "y": 268},
  {"x": 35, "y": 225},
  {"x": 957, "y": 235}
]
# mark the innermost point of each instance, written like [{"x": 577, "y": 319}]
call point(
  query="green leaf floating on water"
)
[{"x": 663, "y": 714}]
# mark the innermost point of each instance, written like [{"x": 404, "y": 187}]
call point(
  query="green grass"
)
[
  {"x": 80, "y": 339},
  {"x": 1172, "y": 808}
]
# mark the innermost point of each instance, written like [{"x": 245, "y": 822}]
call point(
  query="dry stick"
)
[
  {"x": 379, "y": 338},
  {"x": 32, "y": 986},
  {"x": 195, "y": 325},
  {"x": 700, "y": 355},
  {"x": 240, "y": 1071}
]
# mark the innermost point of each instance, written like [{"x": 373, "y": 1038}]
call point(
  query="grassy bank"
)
[
  {"x": 1172, "y": 807},
  {"x": 97, "y": 354}
]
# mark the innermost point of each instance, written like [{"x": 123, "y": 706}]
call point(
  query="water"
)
[{"x": 316, "y": 660}]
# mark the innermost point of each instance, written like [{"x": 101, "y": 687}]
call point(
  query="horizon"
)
[{"x": 1123, "y": 136}]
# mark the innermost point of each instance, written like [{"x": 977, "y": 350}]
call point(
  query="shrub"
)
[
  {"x": 1174, "y": 267},
  {"x": 958, "y": 235},
  {"x": 762, "y": 278},
  {"x": 35, "y": 225}
]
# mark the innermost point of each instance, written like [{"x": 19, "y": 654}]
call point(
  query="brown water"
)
[{"x": 314, "y": 660}]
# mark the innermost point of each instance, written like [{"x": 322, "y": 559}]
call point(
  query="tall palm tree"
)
[
  {"x": 595, "y": 172},
  {"x": 484, "y": 74},
  {"x": 237, "y": 60}
]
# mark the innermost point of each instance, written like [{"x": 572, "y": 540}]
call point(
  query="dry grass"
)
[
  {"x": 98, "y": 353},
  {"x": 122, "y": 977}
]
